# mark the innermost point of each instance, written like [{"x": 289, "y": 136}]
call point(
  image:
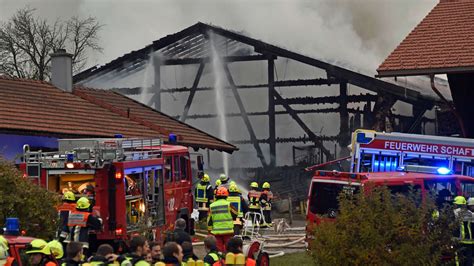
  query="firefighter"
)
[
  {"x": 39, "y": 253},
  {"x": 218, "y": 183},
  {"x": 204, "y": 194},
  {"x": 225, "y": 180},
  {"x": 236, "y": 200},
  {"x": 68, "y": 205},
  {"x": 80, "y": 222},
  {"x": 5, "y": 258},
  {"x": 254, "y": 203},
  {"x": 266, "y": 198},
  {"x": 221, "y": 218},
  {"x": 235, "y": 254},
  {"x": 463, "y": 234}
]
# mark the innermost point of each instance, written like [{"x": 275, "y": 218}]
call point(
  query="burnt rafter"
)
[
  {"x": 303, "y": 139},
  {"x": 302, "y": 124},
  {"x": 193, "y": 92},
  {"x": 246, "y": 119},
  {"x": 310, "y": 111},
  {"x": 326, "y": 99},
  {"x": 281, "y": 83}
]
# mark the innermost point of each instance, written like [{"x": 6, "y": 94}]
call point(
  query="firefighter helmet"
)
[
  {"x": 460, "y": 200},
  {"x": 83, "y": 203},
  {"x": 470, "y": 201},
  {"x": 254, "y": 185},
  {"x": 38, "y": 246},
  {"x": 233, "y": 187},
  {"x": 56, "y": 249},
  {"x": 68, "y": 195},
  {"x": 223, "y": 178},
  {"x": 218, "y": 182},
  {"x": 205, "y": 178},
  {"x": 266, "y": 185},
  {"x": 222, "y": 192}
]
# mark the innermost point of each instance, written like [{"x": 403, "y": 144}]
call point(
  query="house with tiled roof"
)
[
  {"x": 442, "y": 43},
  {"x": 38, "y": 113}
]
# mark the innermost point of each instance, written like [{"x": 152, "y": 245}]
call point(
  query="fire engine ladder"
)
[
  {"x": 138, "y": 149},
  {"x": 33, "y": 160}
]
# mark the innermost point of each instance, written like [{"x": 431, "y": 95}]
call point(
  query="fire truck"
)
[
  {"x": 135, "y": 185},
  {"x": 441, "y": 166}
]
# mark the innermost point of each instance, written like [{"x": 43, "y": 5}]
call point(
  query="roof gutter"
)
[{"x": 450, "y": 105}]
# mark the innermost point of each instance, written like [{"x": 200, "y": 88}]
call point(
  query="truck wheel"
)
[{"x": 263, "y": 259}]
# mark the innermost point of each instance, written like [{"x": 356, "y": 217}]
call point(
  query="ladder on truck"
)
[{"x": 94, "y": 152}]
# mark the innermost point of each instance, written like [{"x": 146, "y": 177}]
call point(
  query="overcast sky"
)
[{"x": 355, "y": 33}]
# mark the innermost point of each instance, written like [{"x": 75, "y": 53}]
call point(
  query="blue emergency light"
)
[
  {"x": 361, "y": 138},
  {"x": 12, "y": 226},
  {"x": 443, "y": 171},
  {"x": 118, "y": 136},
  {"x": 70, "y": 157},
  {"x": 172, "y": 138}
]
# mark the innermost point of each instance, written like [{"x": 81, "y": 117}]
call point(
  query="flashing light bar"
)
[{"x": 426, "y": 169}]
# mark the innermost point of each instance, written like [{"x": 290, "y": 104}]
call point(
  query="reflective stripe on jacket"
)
[
  {"x": 201, "y": 192},
  {"x": 254, "y": 198},
  {"x": 237, "y": 204},
  {"x": 220, "y": 214},
  {"x": 77, "y": 218}
]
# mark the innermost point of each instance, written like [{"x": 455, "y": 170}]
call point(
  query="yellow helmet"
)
[
  {"x": 3, "y": 248},
  {"x": 68, "y": 195},
  {"x": 266, "y": 185},
  {"x": 56, "y": 249},
  {"x": 38, "y": 246},
  {"x": 83, "y": 203},
  {"x": 206, "y": 178},
  {"x": 233, "y": 187},
  {"x": 223, "y": 178},
  {"x": 218, "y": 182},
  {"x": 460, "y": 200},
  {"x": 254, "y": 185}
]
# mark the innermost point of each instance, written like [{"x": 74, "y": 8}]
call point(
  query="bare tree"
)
[{"x": 26, "y": 42}]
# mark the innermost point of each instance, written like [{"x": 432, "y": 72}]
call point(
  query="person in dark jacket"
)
[
  {"x": 80, "y": 222},
  {"x": 213, "y": 255},
  {"x": 139, "y": 248},
  {"x": 179, "y": 235},
  {"x": 188, "y": 252},
  {"x": 105, "y": 256},
  {"x": 73, "y": 254},
  {"x": 172, "y": 254}
]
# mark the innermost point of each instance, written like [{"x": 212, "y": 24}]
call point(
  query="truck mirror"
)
[{"x": 200, "y": 163}]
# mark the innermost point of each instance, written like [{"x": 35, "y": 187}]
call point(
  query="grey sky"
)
[{"x": 355, "y": 33}]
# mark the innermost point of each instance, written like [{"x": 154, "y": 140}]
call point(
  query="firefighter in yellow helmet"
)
[
  {"x": 225, "y": 180},
  {"x": 39, "y": 253},
  {"x": 80, "y": 222},
  {"x": 236, "y": 200},
  {"x": 5, "y": 258},
  {"x": 266, "y": 199},
  {"x": 464, "y": 234},
  {"x": 220, "y": 221},
  {"x": 254, "y": 203},
  {"x": 218, "y": 183},
  {"x": 204, "y": 194},
  {"x": 68, "y": 204}
]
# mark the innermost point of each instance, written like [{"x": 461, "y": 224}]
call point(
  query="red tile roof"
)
[
  {"x": 138, "y": 112},
  {"x": 443, "y": 42},
  {"x": 37, "y": 107}
]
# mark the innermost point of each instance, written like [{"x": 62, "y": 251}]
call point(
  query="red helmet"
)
[{"x": 222, "y": 191}]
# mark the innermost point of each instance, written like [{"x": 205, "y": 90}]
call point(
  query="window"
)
[
  {"x": 443, "y": 191},
  {"x": 176, "y": 169},
  {"x": 467, "y": 189},
  {"x": 463, "y": 167},
  {"x": 184, "y": 162},
  {"x": 324, "y": 197},
  {"x": 168, "y": 170},
  {"x": 371, "y": 162}
]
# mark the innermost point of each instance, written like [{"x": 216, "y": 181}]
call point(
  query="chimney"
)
[{"x": 61, "y": 70}]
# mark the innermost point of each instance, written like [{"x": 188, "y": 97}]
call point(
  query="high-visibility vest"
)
[
  {"x": 214, "y": 256},
  {"x": 201, "y": 195},
  {"x": 78, "y": 218},
  {"x": 254, "y": 197},
  {"x": 222, "y": 222},
  {"x": 66, "y": 206},
  {"x": 268, "y": 206},
  {"x": 237, "y": 204}
]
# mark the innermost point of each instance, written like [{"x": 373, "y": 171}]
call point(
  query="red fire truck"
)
[
  {"x": 134, "y": 184},
  {"x": 440, "y": 165}
]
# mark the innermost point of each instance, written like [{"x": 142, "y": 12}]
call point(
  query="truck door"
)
[{"x": 155, "y": 194}]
